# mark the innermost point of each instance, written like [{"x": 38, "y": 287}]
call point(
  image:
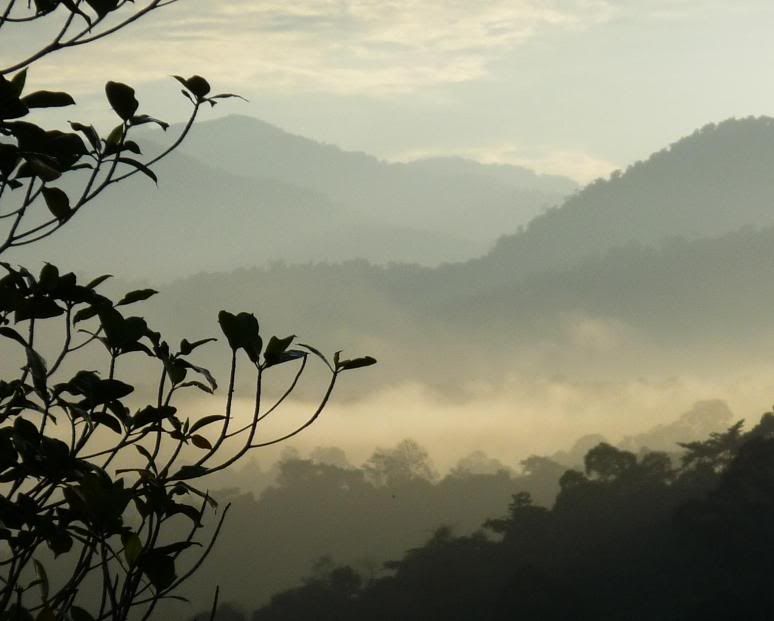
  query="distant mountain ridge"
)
[
  {"x": 691, "y": 274},
  {"x": 448, "y": 196},
  {"x": 712, "y": 182},
  {"x": 242, "y": 193}
]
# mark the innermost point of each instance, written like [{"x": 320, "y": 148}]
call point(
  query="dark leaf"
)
[
  {"x": 37, "y": 367},
  {"x": 131, "y": 145},
  {"x": 85, "y": 313},
  {"x": 146, "y": 454},
  {"x": 151, "y": 414},
  {"x": 57, "y": 202},
  {"x": 139, "y": 166},
  {"x": 120, "y": 96},
  {"x": 197, "y": 85},
  {"x": 356, "y": 363},
  {"x": 187, "y": 347},
  {"x": 190, "y": 472},
  {"x": 136, "y": 296},
  {"x": 36, "y": 167},
  {"x": 18, "y": 81},
  {"x": 47, "y": 99},
  {"x": 195, "y": 384},
  {"x": 201, "y": 442},
  {"x": 43, "y": 577},
  {"x": 317, "y": 353},
  {"x": 132, "y": 548},
  {"x": 98, "y": 281},
  {"x": 9, "y": 158},
  {"x": 87, "y": 130},
  {"x": 12, "y": 334},
  {"x": 142, "y": 119},
  {"x": 79, "y": 614},
  {"x": 201, "y": 371},
  {"x": 111, "y": 423},
  {"x": 60, "y": 543},
  {"x": 242, "y": 332},
  {"x": 176, "y": 370},
  {"x": 207, "y": 420}
]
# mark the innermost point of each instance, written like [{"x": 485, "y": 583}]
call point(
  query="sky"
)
[{"x": 571, "y": 87}]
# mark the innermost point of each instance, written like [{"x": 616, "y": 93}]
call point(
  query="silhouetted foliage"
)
[
  {"x": 635, "y": 538},
  {"x": 102, "y": 491}
]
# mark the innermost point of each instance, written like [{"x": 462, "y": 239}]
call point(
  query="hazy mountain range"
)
[
  {"x": 674, "y": 255},
  {"x": 242, "y": 193}
]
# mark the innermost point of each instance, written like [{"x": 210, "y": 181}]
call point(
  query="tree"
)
[
  {"x": 103, "y": 485},
  {"x": 406, "y": 462}
]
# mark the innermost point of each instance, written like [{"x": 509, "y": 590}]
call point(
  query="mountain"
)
[
  {"x": 637, "y": 288},
  {"x": 447, "y": 196},
  {"x": 712, "y": 182},
  {"x": 242, "y": 193}
]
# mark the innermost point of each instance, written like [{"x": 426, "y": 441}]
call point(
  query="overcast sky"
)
[{"x": 574, "y": 87}]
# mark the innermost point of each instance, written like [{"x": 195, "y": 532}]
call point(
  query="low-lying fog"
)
[{"x": 510, "y": 423}]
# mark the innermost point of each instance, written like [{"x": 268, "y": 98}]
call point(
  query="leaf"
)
[
  {"x": 132, "y": 548},
  {"x": 87, "y": 130},
  {"x": 142, "y": 119},
  {"x": 139, "y": 166},
  {"x": 317, "y": 353},
  {"x": 12, "y": 334},
  {"x": 121, "y": 98},
  {"x": 136, "y": 296},
  {"x": 57, "y": 202},
  {"x": 277, "y": 351},
  {"x": 201, "y": 371},
  {"x": 114, "y": 139},
  {"x": 102, "y": 7},
  {"x": 85, "y": 313},
  {"x": 79, "y": 614},
  {"x": 278, "y": 345},
  {"x": 227, "y": 96},
  {"x": 37, "y": 308},
  {"x": 47, "y": 99},
  {"x": 43, "y": 577},
  {"x": 35, "y": 167},
  {"x": 195, "y": 384},
  {"x": 9, "y": 158},
  {"x": 207, "y": 420},
  {"x": 60, "y": 543},
  {"x": 146, "y": 454},
  {"x": 111, "y": 423},
  {"x": 190, "y": 472},
  {"x": 242, "y": 332},
  {"x": 151, "y": 414},
  {"x": 176, "y": 370},
  {"x": 46, "y": 614},
  {"x": 355, "y": 363},
  {"x": 201, "y": 442},
  {"x": 37, "y": 367},
  {"x": 176, "y": 548},
  {"x": 98, "y": 281},
  {"x": 187, "y": 347},
  {"x": 18, "y": 81},
  {"x": 196, "y": 84},
  {"x": 131, "y": 145}
]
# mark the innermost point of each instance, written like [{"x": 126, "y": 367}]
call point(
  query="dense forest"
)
[
  {"x": 317, "y": 511},
  {"x": 629, "y": 536}
]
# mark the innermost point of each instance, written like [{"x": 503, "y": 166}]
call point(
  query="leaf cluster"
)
[{"x": 66, "y": 492}]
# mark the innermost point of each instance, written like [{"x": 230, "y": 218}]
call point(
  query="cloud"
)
[{"x": 372, "y": 47}]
